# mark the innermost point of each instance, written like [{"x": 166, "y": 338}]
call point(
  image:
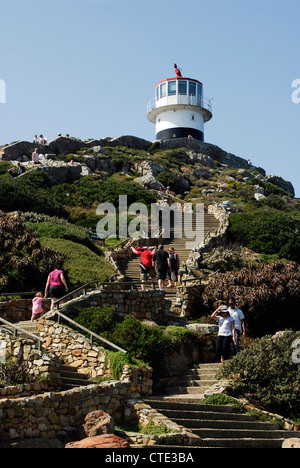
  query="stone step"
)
[
  {"x": 242, "y": 423},
  {"x": 218, "y": 426},
  {"x": 206, "y": 416},
  {"x": 200, "y": 389},
  {"x": 238, "y": 443},
  {"x": 160, "y": 403},
  {"x": 71, "y": 378},
  {"x": 235, "y": 433},
  {"x": 193, "y": 383}
]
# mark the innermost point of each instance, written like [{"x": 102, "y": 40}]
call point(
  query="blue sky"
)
[{"x": 89, "y": 67}]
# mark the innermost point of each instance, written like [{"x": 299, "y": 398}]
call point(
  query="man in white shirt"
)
[{"x": 239, "y": 320}]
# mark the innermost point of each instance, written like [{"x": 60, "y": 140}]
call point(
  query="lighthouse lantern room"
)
[{"x": 179, "y": 109}]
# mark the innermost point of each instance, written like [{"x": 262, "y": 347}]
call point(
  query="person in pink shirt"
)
[
  {"x": 57, "y": 284},
  {"x": 37, "y": 308}
]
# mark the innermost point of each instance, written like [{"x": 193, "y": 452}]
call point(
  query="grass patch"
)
[{"x": 81, "y": 264}]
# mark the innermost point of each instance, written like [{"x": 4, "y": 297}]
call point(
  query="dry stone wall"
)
[
  {"x": 59, "y": 414},
  {"x": 143, "y": 305},
  {"x": 19, "y": 310}
]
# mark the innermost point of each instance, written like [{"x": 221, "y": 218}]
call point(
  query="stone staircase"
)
[
  {"x": 219, "y": 426},
  {"x": 215, "y": 426},
  {"x": 130, "y": 267},
  {"x": 194, "y": 382},
  {"x": 69, "y": 376}
]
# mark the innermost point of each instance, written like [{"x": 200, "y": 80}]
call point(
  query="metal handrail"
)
[
  {"x": 204, "y": 102},
  {"x": 17, "y": 329},
  {"x": 84, "y": 287},
  {"x": 86, "y": 330}
]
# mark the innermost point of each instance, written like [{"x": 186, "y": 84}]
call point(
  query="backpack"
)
[{"x": 173, "y": 260}]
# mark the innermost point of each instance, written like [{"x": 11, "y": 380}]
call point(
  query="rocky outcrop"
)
[
  {"x": 208, "y": 149},
  {"x": 62, "y": 145},
  {"x": 96, "y": 423},
  {"x": 281, "y": 183},
  {"x": 107, "y": 441}
]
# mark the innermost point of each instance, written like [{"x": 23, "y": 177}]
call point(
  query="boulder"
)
[
  {"x": 281, "y": 183},
  {"x": 293, "y": 442},
  {"x": 96, "y": 423},
  {"x": 102, "y": 441}
]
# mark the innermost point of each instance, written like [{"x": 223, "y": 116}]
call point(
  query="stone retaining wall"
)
[
  {"x": 214, "y": 239},
  {"x": 52, "y": 415},
  {"x": 18, "y": 310},
  {"x": 142, "y": 305},
  {"x": 88, "y": 358},
  {"x": 40, "y": 363}
]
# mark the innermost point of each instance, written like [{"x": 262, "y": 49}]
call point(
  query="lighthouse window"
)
[
  {"x": 182, "y": 87},
  {"x": 199, "y": 92},
  {"x": 163, "y": 90},
  {"x": 192, "y": 88},
  {"x": 171, "y": 88}
]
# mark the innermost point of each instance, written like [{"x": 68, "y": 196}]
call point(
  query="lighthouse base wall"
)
[{"x": 180, "y": 132}]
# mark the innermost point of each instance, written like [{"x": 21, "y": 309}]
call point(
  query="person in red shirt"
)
[{"x": 146, "y": 263}]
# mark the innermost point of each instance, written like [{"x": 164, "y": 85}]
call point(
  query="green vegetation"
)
[
  {"x": 223, "y": 399},
  {"x": 25, "y": 262},
  {"x": 144, "y": 343},
  {"x": 271, "y": 232},
  {"x": 266, "y": 375},
  {"x": 150, "y": 429},
  {"x": 268, "y": 294},
  {"x": 80, "y": 263}
]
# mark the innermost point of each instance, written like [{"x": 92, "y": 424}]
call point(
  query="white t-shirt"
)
[
  {"x": 225, "y": 325},
  {"x": 237, "y": 315}
]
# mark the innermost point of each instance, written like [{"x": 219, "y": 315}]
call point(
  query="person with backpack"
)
[{"x": 174, "y": 267}]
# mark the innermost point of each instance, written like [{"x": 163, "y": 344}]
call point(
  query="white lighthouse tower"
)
[{"x": 179, "y": 109}]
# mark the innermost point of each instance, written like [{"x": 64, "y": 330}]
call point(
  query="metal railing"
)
[
  {"x": 183, "y": 99},
  {"x": 21, "y": 330},
  {"x": 91, "y": 334},
  {"x": 101, "y": 285}
]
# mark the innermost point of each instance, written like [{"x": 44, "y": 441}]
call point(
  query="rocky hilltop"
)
[{"x": 200, "y": 159}]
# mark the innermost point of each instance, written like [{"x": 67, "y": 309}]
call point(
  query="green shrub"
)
[
  {"x": 95, "y": 319},
  {"x": 30, "y": 193},
  {"x": 25, "y": 263},
  {"x": 65, "y": 231},
  {"x": 269, "y": 232},
  {"x": 268, "y": 294},
  {"x": 145, "y": 343},
  {"x": 265, "y": 373},
  {"x": 166, "y": 179}
]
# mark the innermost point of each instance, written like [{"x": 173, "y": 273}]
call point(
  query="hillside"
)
[{"x": 60, "y": 196}]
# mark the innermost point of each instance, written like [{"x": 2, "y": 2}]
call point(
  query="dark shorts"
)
[
  {"x": 57, "y": 292},
  {"x": 144, "y": 274},
  {"x": 162, "y": 273}
]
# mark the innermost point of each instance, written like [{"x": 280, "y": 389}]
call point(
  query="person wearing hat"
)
[{"x": 226, "y": 332}]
